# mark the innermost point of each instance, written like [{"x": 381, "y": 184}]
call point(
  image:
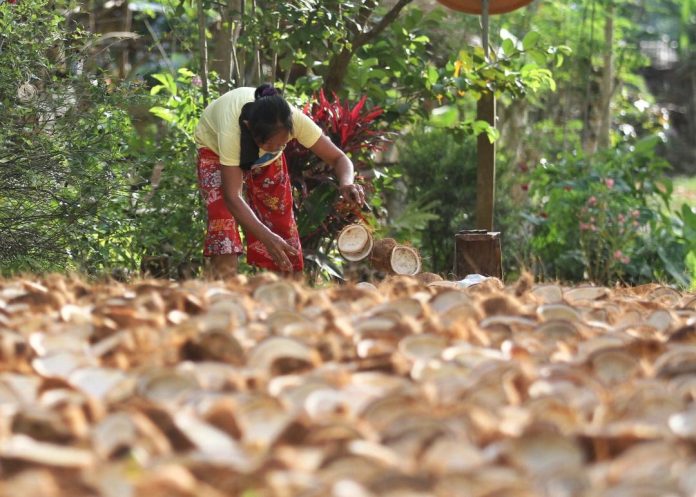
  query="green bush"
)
[
  {"x": 605, "y": 218},
  {"x": 63, "y": 134},
  {"x": 439, "y": 171}
]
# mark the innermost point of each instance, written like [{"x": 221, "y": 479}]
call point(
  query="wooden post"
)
[
  {"x": 485, "y": 175},
  {"x": 477, "y": 252}
]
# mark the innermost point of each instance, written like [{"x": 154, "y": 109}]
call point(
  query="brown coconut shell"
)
[
  {"x": 427, "y": 278},
  {"x": 354, "y": 242},
  {"x": 405, "y": 260},
  {"x": 381, "y": 254}
]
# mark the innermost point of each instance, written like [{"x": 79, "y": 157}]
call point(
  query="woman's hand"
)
[
  {"x": 279, "y": 250},
  {"x": 353, "y": 194}
]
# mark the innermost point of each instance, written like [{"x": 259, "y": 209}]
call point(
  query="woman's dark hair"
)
[{"x": 268, "y": 114}]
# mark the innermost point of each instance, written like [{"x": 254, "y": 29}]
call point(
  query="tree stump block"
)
[{"x": 478, "y": 252}]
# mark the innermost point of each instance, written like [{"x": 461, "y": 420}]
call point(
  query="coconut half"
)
[
  {"x": 405, "y": 260},
  {"x": 355, "y": 242}
]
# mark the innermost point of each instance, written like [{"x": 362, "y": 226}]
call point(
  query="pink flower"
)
[
  {"x": 584, "y": 226},
  {"x": 618, "y": 255},
  {"x": 197, "y": 81},
  {"x": 621, "y": 218},
  {"x": 609, "y": 182},
  {"x": 592, "y": 200},
  {"x": 635, "y": 213},
  {"x": 625, "y": 259}
]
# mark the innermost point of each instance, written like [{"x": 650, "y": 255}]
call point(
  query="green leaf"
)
[
  {"x": 689, "y": 218},
  {"x": 467, "y": 63},
  {"x": 186, "y": 72},
  {"x": 167, "y": 81},
  {"x": 530, "y": 39},
  {"x": 446, "y": 116},
  {"x": 538, "y": 56},
  {"x": 647, "y": 144},
  {"x": 316, "y": 207},
  {"x": 480, "y": 126},
  {"x": 432, "y": 75},
  {"x": 678, "y": 273},
  {"x": 164, "y": 113},
  {"x": 508, "y": 47}
]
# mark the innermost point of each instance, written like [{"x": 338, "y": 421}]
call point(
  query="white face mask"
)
[{"x": 275, "y": 152}]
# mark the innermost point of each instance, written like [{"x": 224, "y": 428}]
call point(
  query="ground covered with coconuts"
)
[{"x": 260, "y": 387}]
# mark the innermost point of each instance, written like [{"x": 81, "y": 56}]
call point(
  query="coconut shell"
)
[
  {"x": 381, "y": 254},
  {"x": 354, "y": 242},
  {"x": 405, "y": 260},
  {"x": 427, "y": 278}
]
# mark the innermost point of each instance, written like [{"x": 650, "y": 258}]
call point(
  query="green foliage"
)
[
  {"x": 517, "y": 69},
  {"x": 170, "y": 217},
  {"x": 62, "y": 145},
  {"x": 600, "y": 218},
  {"x": 439, "y": 171}
]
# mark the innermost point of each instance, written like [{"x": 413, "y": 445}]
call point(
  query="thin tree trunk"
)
[
  {"x": 241, "y": 59},
  {"x": 588, "y": 138},
  {"x": 256, "y": 68},
  {"x": 223, "y": 59},
  {"x": 606, "y": 89},
  {"x": 274, "y": 60},
  {"x": 92, "y": 17},
  {"x": 125, "y": 45},
  {"x": 338, "y": 66},
  {"x": 203, "y": 49}
]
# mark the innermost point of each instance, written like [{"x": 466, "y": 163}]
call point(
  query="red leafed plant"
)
[
  {"x": 351, "y": 129},
  {"x": 355, "y": 130}
]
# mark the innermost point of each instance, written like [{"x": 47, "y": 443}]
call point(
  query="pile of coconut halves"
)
[{"x": 263, "y": 387}]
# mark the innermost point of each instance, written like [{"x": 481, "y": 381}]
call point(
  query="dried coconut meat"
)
[{"x": 410, "y": 387}]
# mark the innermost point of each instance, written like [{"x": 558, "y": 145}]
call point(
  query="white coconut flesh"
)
[
  {"x": 353, "y": 239},
  {"x": 360, "y": 255},
  {"x": 405, "y": 260}
]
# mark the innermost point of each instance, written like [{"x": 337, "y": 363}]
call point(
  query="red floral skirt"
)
[{"x": 268, "y": 193}]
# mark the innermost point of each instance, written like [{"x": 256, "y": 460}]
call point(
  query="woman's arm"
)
[
  {"x": 232, "y": 183},
  {"x": 343, "y": 167}
]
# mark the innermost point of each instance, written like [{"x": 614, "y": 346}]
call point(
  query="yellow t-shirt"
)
[{"x": 218, "y": 128}]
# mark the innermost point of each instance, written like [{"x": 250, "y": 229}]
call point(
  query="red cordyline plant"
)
[
  {"x": 351, "y": 129},
  {"x": 354, "y": 129}
]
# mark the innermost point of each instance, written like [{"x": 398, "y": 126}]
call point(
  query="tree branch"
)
[{"x": 388, "y": 18}]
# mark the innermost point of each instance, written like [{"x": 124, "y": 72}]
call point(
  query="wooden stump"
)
[{"x": 477, "y": 252}]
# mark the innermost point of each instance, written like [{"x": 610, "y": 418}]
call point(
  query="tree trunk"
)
[
  {"x": 338, "y": 66},
  {"x": 203, "y": 49},
  {"x": 224, "y": 39},
  {"x": 125, "y": 44},
  {"x": 606, "y": 89}
]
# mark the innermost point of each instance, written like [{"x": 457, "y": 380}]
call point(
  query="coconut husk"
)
[{"x": 381, "y": 254}]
